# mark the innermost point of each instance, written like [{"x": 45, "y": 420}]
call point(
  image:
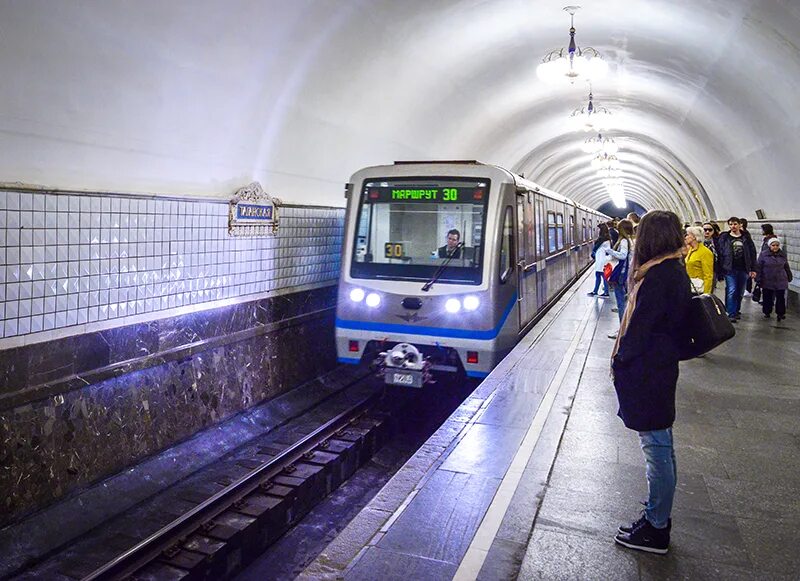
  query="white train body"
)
[{"x": 520, "y": 246}]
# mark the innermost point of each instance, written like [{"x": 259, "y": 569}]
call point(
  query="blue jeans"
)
[
  {"x": 734, "y": 290},
  {"x": 662, "y": 475},
  {"x": 620, "y": 294},
  {"x": 598, "y": 276}
]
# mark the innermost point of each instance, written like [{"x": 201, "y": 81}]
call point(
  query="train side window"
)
[
  {"x": 585, "y": 234},
  {"x": 571, "y": 229},
  {"x": 560, "y": 230},
  {"x": 552, "y": 237},
  {"x": 507, "y": 245}
]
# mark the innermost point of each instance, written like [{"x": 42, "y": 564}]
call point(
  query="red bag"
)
[{"x": 607, "y": 270}]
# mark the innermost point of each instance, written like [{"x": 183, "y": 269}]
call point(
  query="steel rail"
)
[{"x": 153, "y": 546}]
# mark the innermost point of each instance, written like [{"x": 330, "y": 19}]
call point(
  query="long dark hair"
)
[
  {"x": 625, "y": 229},
  {"x": 603, "y": 233},
  {"x": 658, "y": 233}
]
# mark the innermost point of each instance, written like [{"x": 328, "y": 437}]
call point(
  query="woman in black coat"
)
[{"x": 645, "y": 368}]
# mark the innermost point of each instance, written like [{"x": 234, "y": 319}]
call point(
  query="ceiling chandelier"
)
[
  {"x": 600, "y": 144},
  {"x": 605, "y": 161},
  {"x": 571, "y": 62},
  {"x": 609, "y": 173},
  {"x": 591, "y": 117}
]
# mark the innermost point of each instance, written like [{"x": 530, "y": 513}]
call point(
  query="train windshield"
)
[{"x": 408, "y": 227}]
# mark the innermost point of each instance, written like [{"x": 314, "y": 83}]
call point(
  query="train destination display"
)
[{"x": 414, "y": 193}]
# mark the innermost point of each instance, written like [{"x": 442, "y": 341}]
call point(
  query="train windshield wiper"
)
[{"x": 427, "y": 286}]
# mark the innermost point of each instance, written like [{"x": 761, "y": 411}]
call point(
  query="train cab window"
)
[
  {"x": 552, "y": 236},
  {"x": 407, "y": 228},
  {"x": 507, "y": 245}
]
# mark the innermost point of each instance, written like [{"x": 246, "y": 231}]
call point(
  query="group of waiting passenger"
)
[
  {"x": 710, "y": 256},
  {"x": 732, "y": 256},
  {"x": 664, "y": 257}
]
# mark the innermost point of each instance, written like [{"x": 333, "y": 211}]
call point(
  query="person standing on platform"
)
[
  {"x": 600, "y": 254},
  {"x": 699, "y": 261},
  {"x": 644, "y": 365},
  {"x": 748, "y": 285},
  {"x": 710, "y": 242},
  {"x": 613, "y": 233},
  {"x": 619, "y": 277},
  {"x": 634, "y": 218},
  {"x": 737, "y": 256},
  {"x": 774, "y": 276},
  {"x": 768, "y": 234}
]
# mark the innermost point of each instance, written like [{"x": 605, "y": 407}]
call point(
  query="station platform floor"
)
[{"x": 530, "y": 477}]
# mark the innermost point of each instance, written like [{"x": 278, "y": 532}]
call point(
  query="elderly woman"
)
[
  {"x": 699, "y": 261},
  {"x": 774, "y": 276}
]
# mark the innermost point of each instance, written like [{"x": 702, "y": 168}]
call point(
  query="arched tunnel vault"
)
[
  {"x": 663, "y": 180},
  {"x": 192, "y": 98}
]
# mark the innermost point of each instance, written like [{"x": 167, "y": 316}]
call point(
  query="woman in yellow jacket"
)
[{"x": 699, "y": 260}]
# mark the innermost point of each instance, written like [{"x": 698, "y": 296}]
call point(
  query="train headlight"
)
[
  {"x": 357, "y": 295},
  {"x": 471, "y": 302},
  {"x": 452, "y": 305},
  {"x": 373, "y": 300}
]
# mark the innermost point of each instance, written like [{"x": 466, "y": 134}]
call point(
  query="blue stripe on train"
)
[{"x": 430, "y": 331}]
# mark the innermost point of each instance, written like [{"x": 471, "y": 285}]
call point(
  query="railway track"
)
[{"x": 220, "y": 535}]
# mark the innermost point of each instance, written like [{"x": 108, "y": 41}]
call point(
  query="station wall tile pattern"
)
[{"x": 72, "y": 259}]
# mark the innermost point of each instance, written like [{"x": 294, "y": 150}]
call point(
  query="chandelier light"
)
[
  {"x": 600, "y": 144},
  {"x": 609, "y": 173},
  {"x": 571, "y": 62},
  {"x": 591, "y": 117},
  {"x": 605, "y": 161}
]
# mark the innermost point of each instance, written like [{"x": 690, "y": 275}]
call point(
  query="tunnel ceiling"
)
[{"x": 202, "y": 97}]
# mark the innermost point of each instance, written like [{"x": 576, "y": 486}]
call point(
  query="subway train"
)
[{"x": 446, "y": 265}]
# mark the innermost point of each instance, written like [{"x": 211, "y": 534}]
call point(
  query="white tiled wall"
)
[
  {"x": 77, "y": 259},
  {"x": 789, "y": 233}
]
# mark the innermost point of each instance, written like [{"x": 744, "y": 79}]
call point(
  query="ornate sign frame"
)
[{"x": 253, "y": 212}]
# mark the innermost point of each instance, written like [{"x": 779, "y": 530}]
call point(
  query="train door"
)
[
  {"x": 526, "y": 259},
  {"x": 541, "y": 252}
]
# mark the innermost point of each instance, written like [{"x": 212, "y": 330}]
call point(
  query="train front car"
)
[{"x": 426, "y": 281}]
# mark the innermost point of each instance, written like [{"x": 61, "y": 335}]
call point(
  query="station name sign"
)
[{"x": 253, "y": 212}]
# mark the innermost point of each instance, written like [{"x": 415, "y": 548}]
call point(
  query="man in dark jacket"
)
[{"x": 737, "y": 258}]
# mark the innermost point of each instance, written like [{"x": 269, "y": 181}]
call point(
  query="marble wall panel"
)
[{"x": 56, "y": 440}]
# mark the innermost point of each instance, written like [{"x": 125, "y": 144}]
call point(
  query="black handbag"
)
[
  {"x": 707, "y": 326},
  {"x": 757, "y": 293}
]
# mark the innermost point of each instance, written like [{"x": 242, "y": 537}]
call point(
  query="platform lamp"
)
[{"x": 760, "y": 214}]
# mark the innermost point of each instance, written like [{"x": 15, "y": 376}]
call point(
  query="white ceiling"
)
[{"x": 202, "y": 97}]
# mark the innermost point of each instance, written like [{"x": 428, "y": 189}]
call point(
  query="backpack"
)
[{"x": 707, "y": 326}]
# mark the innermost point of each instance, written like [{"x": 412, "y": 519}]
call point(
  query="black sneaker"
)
[
  {"x": 781, "y": 317},
  {"x": 626, "y": 530},
  {"x": 766, "y": 316},
  {"x": 646, "y": 538}
]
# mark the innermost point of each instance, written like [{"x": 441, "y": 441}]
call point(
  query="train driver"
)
[{"x": 452, "y": 247}]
